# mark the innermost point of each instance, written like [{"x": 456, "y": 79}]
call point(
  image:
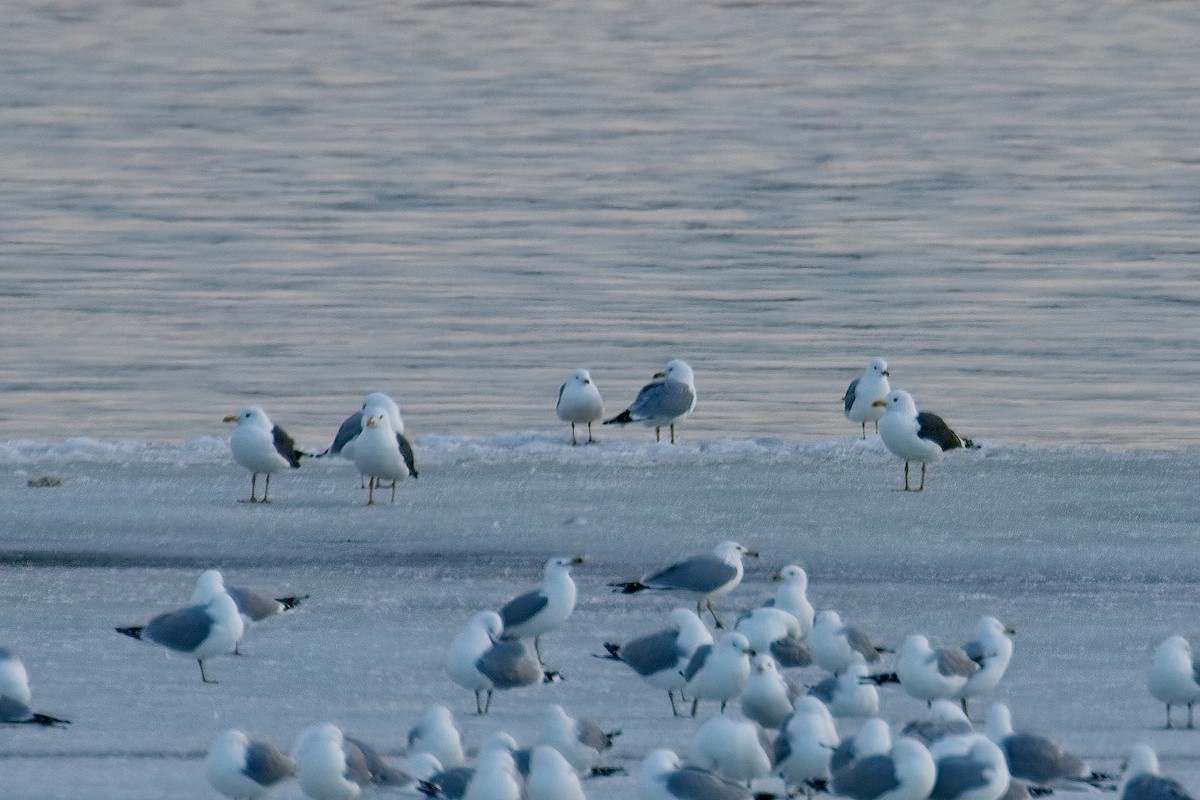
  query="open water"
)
[{"x": 207, "y": 205}]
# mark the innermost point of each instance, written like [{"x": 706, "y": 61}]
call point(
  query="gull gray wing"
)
[
  {"x": 664, "y": 399},
  {"x": 285, "y": 446},
  {"x": 694, "y": 783},
  {"x": 350, "y": 428},
  {"x": 958, "y": 774},
  {"x": 592, "y": 735},
  {"x": 652, "y": 653},
  {"x": 453, "y": 782},
  {"x": 267, "y": 765},
  {"x": 13, "y": 710},
  {"x": 866, "y": 778},
  {"x": 181, "y": 630},
  {"x": 791, "y": 651},
  {"x": 1039, "y": 760},
  {"x": 1154, "y": 787},
  {"x": 380, "y": 771},
  {"x": 975, "y": 651},
  {"x": 406, "y": 453},
  {"x": 509, "y": 664},
  {"x": 934, "y": 428},
  {"x": 254, "y": 605},
  {"x": 700, "y": 574},
  {"x": 851, "y": 393},
  {"x": 1195, "y": 668},
  {"x": 522, "y": 608},
  {"x": 824, "y": 690},
  {"x": 861, "y": 643},
  {"x": 953, "y": 661},
  {"x": 697, "y": 661},
  {"x": 783, "y": 744}
]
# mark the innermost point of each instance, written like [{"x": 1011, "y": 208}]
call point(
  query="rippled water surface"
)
[{"x": 291, "y": 204}]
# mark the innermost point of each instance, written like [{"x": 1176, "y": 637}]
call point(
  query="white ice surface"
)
[{"x": 1090, "y": 553}]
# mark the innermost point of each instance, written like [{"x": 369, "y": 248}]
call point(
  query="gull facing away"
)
[
  {"x": 906, "y": 772},
  {"x": 1174, "y": 677},
  {"x": 551, "y": 777},
  {"x": 582, "y": 742},
  {"x": 200, "y": 631},
  {"x": 863, "y": 391},
  {"x": 873, "y": 738},
  {"x": 915, "y": 435},
  {"x": 708, "y": 575},
  {"x": 544, "y": 609},
  {"x": 945, "y": 718},
  {"x": 775, "y": 631},
  {"x": 1142, "y": 779},
  {"x": 333, "y": 766},
  {"x": 733, "y": 746},
  {"x": 345, "y": 439},
  {"x": 662, "y": 656},
  {"x": 15, "y": 696},
  {"x": 667, "y": 399},
  {"x": 992, "y": 650},
  {"x": 253, "y": 607},
  {"x": 495, "y": 777},
  {"x": 969, "y": 767},
  {"x": 261, "y": 447},
  {"x": 478, "y": 659},
  {"x": 836, "y": 645},
  {"x": 718, "y": 671},
  {"x": 436, "y": 734},
  {"x": 579, "y": 402},
  {"x": 245, "y": 769},
  {"x": 805, "y": 745},
  {"x": 663, "y": 776},
  {"x": 849, "y": 693},
  {"x": 1033, "y": 758}
]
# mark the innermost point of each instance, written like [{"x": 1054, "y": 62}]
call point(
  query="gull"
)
[
  {"x": 663, "y": 776},
  {"x": 551, "y": 777},
  {"x": 1031, "y": 757},
  {"x": 969, "y": 767},
  {"x": 344, "y": 442},
  {"x": 333, "y": 766},
  {"x": 1174, "y": 676},
  {"x": 862, "y": 393},
  {"x": 667, "y": 399},
  {"x": 661, "y": 657},
  {"x": 805, "y": 744},
  {"x": 850, "y": 693},
  {"x": 718, "y": 671},
  {"x": 769, "y": 695},
  {"x": 261, "y": 447},
  {"x": 495, "y": 777},
  {"x": 836, "y": 645},
  {"x": 945, "y": 718},
  {"x": 906, "y": 772},
  {"x": 252, "y": 606},
  {"x": 437, "y": 735},
  {"x": 928, "y": 673},
  {"x": 478, "y": 659},
  {"x": 544, "y": 609},
  {"x": 579, "y": 402},
  {"x": 913, "y": 435},
  {"x": 775, "y": 631},
  {"x": 581, "y": 741},
  {"x": 15, "y": 696},
  {"x": 792, "y": 596},
  {"x": 1142, "y": 779},
  {"x": 733, "y": 746},
  {"x": 202, "y": 630},
  {"x": 377, "y": 452},
  {"x": 245, "y": 769},
  {"x": 708, "y": 575},
  {"x": 992, "y": 650},
  {"x": 873, "y": 738}
]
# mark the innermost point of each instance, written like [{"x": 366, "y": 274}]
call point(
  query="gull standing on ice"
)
[
  {"x": 351, "y": 427},
  {"x": 1142, "y": 779},
  {"x": 915, "y": 435},
  {"x": 253, "y": 607},
  {"x": 333, "y": 766},
  {"x": 718, "y": 671},
  {"x": 733, "y": 746},
  {"x": 663, "y": 776},
  {"x": 478, "y": 659},
  {"x": 261, "y": 447},
  {"x": 849, "y": 693},
  {"x": 862, "y": 393},
  {"x": 245, "y": 769},
  {"x": 969, "y": 767},
  {"x": 906, "y": 772},
  {"x": 775, "y": 631},
  {"x": 579, "y": 402},
  {"x": 581, "y": 741},
  {"x": 1031, "y": 757},
  {"x": 928, "y": 673},
  {"x": 15, "y": 696},
  {"x": 873, "y": 738},
  {"x": 945, "y": 718},
  {"x": 992, "y": 650},
  {"x": 708, "y": 575},
  {"x": 667, "y": 399},
  {"x": 792, "y": 596},
  {"x": 495, "y": 777},
  {"x": 805, "y": 744},
  {"x": 437, "y": 735},
  {"x": 1174, "y": 676},
  {"x": 377, "y": 452},
  {"x": 662, "y": 657},
  {"x": 544, "y": 609},
  {"x": 836, "y": 645},
  {"x": 201, "y": 631}
]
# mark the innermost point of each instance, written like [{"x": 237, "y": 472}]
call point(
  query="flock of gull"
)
[{"x": 767, "y": 733}]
